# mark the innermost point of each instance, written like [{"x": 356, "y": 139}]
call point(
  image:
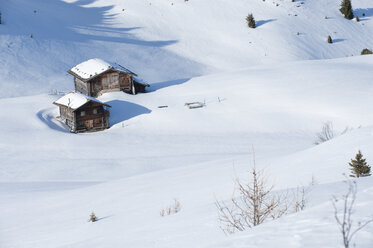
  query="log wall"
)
[{"x": 81, "y": 86}]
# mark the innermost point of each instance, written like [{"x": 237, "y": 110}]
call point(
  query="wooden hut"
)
[
  {"x": 95, "y": 77},
  {"x": 83, "y": 113}
]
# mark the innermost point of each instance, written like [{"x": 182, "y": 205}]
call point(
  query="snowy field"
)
[{"x": 270, "y": 88}]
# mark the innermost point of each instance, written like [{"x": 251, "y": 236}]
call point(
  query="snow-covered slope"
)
[
  {"x": 166, "y": 40},
  {"x": 128, "y": 209},
  {"x": 269, "y": 88},
  {"x": 277, "y": 114},
  {"x": 203, "y": 149}
]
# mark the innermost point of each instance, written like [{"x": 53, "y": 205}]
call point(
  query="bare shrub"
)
[
  {"x": 300, "y": 200},
  {"x": 326, "y": 133},
  {"x": 174, "y": 208},
  {"x": 254, "y": 205},
  {"x": 343, "y": 216},
  {"x": 92, "y": 217},
  {"x": 313, "y": 181}
]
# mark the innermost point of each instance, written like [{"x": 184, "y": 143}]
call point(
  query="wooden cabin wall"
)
[
  {"x": 125, "y": 82},
  {"x": 81, "y": 86},
  {"x": 68, "y": 116},
  {"x": 108, "y": 81},
  {"x": 90, "y": 120}
]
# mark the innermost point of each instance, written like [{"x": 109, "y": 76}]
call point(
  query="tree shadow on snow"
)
[
  {"x": 161, "y": 85},
  {"x": 105, "y": 217},
  {"x": 338, "y": 40},
  {"x": 76, "y": 21},
  {"x": 77, "y": 29},
  {"x": 121, "y": 111},
  {"x": 262, "y": 22},
  {"x": 359, "y": 12}
]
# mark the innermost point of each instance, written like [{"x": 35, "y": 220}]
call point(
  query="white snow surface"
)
[
  {"x": 75, "y": 100},
  {"x": 270, "y": 88},
  {"x": 91, "y": 68},
  {"x": 167, "y": 40}
]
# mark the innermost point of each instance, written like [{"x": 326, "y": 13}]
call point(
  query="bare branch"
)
[{"x": 345, "y": 223}]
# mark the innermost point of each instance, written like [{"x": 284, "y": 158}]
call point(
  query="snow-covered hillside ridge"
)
[
  {"x": 191, "y": 155},
  {"x": 166, "y": 40},
  {"x": 266, "y": 91},
  {"x": 261, "y": 106}
]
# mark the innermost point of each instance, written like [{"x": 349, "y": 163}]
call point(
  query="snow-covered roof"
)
[
  {"x": 75, "y": 100},
  {"x": 94, "y": 67}
]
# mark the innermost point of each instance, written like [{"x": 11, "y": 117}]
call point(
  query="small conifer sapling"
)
[
  {"x": 251, "y": 21},
  {"x": 359, "y": 166},
  {"x": 330, "y": 41}
]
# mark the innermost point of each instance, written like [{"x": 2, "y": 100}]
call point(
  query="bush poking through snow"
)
[
  {"x": 92, "y": 217},
  {"x": 366, "y": 51},
  {"x": 253, "y": 205},
  {"x": 346, "y": 9},
  {"x": 343, "y": 215},
  {"x": 174, "y": 208},
  {"x": 326, "y": 133},
  {"x": 250, "y": 21},
  {"x": 359, "y": 166},
  {"x": 300, "y": 200}
]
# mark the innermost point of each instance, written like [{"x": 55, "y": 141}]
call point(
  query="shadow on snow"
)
[
  {"x": 51, "y": 121},
  {"x": 121, "y": 111},
  {"x": 161, "y": 85},
  {"x": 262, "y": 22},
  {"x": 69, "y": 33},
  {"x": 359, "y": 12},
  {"x": 58, "y": 20}
]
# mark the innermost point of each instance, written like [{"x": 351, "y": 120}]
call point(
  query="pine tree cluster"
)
[{"x": 359, "y": 166}]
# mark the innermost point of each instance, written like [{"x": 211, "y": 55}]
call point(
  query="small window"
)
[
  {"x": 82, "y": 113},
  {"x": 80, "y": 123},
  {"x": 95, "y": 111}
]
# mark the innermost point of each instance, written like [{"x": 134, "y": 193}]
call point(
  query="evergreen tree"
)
[
  {"x": 251, "y": 21},
  {"x": 330, "y": 41},
  {"x": 346, "y": 9},
  {"x": 359, "y": 167}
]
